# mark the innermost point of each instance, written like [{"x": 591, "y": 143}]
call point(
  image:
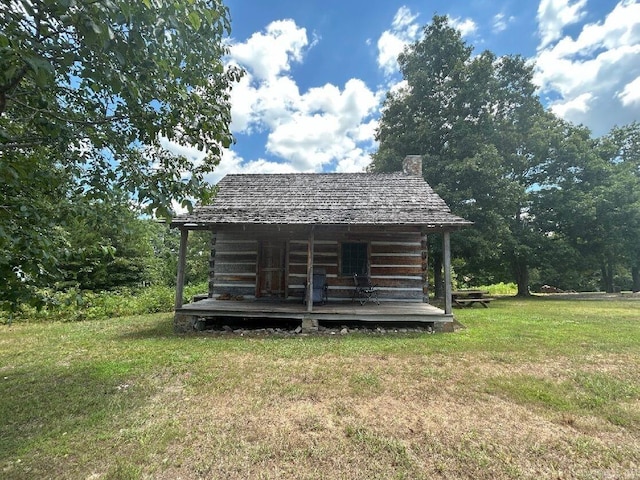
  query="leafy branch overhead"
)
[
  {"x": 101, "y": 81},
  {"x": 88, "y": 91}
]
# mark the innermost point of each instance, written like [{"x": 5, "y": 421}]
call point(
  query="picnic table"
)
[{"x": 469, "y": 298}]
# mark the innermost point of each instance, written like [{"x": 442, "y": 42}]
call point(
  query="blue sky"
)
[{"x": 317, "y": 71}]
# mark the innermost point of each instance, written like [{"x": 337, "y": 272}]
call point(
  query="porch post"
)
[
  {"x": 212, "y": 263},
  {"x": 425, "y": 268},
  {"x": 310, "y": 271},
  {"x": 182, "y": 260},
  {"x": 446, "y": 249}
]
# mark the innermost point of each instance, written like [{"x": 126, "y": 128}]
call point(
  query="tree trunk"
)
[
  {"x": 635, "y": 275},
  {"x": 438, "y": 278},
  {"x": 607, "y": 277},
  {"x": 521, "y": 273}
]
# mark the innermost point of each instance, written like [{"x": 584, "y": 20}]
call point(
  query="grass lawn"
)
[{"x": 530, "y": 389}]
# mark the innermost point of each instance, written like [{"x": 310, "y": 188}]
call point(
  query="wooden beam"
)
[
  {"x": 182, "y": 261},
  {"x": 310, "y": 271},
  {"x": 446, "y": 252}
]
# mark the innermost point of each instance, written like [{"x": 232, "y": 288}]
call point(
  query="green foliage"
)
[
  {"x": 165, "y": 243},
  {"x": 107, "y": 245},
  {"x": 500, "y": 288},
  {"x": 31, "y": 194},
  {"x": 102, "y": 81},
  {"x": 76, "y": 305},
  {"x": 90, "y": 91},
  {"x": 590, "y": 203},
  {"x": 546, "y": 199}
]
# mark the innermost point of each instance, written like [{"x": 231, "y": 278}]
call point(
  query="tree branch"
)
[
  {"x": 23, "y": 144},
  {"x": 4, "y": 89},
  {"x": 84, "y": 123}
]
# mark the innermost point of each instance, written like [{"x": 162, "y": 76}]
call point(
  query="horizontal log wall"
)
[
  {"x": 235, "y": 263},
  {"x": 395, "y": 262},
  {"x": 396, "y": 267}
]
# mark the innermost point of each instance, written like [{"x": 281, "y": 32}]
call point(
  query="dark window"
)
[{"x": 354, "y": 259}]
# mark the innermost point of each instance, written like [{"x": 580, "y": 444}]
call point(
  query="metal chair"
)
[
  {"x": 319, "y": 294},
  {"x": 364, "y": 290}
]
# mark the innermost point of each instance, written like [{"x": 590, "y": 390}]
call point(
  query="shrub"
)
[
  {"x": 500, "y": 288},
  {"x": 76, "y": 305}
]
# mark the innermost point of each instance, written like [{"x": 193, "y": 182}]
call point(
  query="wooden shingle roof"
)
[{"x": 326, "y": 199}]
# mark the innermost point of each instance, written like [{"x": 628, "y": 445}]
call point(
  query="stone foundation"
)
[
  {"x": 309, "y": 324},
  {"x": 443, "y": 327},
  {"x": 183, "y": 323}
]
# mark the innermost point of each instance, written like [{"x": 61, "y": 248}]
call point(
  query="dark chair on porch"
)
[
  {"x": 320, "y": 287},
  {"x": 364, "y": 290}
]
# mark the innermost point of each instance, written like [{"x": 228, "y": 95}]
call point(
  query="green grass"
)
[{"x": 535, "y": 388}]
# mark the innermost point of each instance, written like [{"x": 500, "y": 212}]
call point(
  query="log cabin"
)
[{"x": 272, "y": 232}]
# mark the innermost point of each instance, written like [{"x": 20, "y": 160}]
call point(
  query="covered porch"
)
[{"x": 396, "y": 255}]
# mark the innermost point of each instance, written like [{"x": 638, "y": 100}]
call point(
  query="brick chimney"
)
[{"x": 412, "y": 165}]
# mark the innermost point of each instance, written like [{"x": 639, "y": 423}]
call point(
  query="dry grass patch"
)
[{"x": 408, "y": 429}]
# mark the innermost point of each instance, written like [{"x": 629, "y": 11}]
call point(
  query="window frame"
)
[{"x": 365, "y": 251}]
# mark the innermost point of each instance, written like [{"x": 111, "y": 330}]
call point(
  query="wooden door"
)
[{"x": 272, "y": 269}]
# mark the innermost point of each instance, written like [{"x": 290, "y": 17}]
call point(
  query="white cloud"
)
[
  {"x": 266, "y": 93},
  {"x": 466, "y": 26},
  {"x": 261, "y": 106},
  {"x": 404, "y": 30},
  {"x": 328, "y": 126},
  {"x": 591, "y": 77},
  {"x": 270, "y": 53},
  {"x": 191, "y": 153},
  {"x": 501, "y": 22},
  {"x": 325, "y": 126},
  {"x": 631, "y": 93},
  {"x": 390, "y": 46},
  {"x": 577, "y": 105},
  {"x": 554, "y": 15},
  {"x": 231, "y": 162},
  {"x": 404, "y": 20},
  {"x": 354, "y": 163}
]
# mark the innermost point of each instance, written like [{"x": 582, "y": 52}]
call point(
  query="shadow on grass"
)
[
  {"x": 160, "y": 329},
  {"x": 51, "y": 410}
]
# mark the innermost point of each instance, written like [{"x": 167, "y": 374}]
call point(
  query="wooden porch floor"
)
[{"x": 332, "y": 311}]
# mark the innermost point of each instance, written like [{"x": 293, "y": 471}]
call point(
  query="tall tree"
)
[
  {"x": 591, "y": 199},
  {"x": 164, "y": 265},
  {"x": 92, "y": 88},
  {"x": 625, "y": 156},
  {"x": 481, "y": 129},
  {"x": 565, "y": 210}
]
